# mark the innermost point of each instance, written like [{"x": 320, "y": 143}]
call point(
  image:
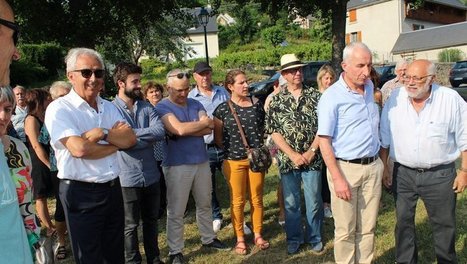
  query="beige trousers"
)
[
  {"x": 180, "y": 180},
  {"x": 355, "y": 220}
]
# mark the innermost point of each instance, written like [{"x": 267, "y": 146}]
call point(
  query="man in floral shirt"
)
[{"x": 292, "y": 122}]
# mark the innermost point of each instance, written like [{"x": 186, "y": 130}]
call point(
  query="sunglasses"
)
[
  {"x": 87, "y": 73},
  {"x": 181, "y": 75},
  {"x": 12, "y": 26}
]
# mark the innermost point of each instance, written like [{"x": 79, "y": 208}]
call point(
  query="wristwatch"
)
[
  {"x": 106, "y": 133},
  {"x": 313, "y": 149}
]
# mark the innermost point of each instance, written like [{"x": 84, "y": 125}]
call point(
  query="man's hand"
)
[
  {"x": 207, "y": 121},
  {"x": 460, "y": 183},
  {"x": 342, "y": 189},
  {"x": 309, "y": 156},
  {"x": 120, "y": 125},
  {"x": 387, "y": 178},
  {"x": 297, "y": 159},
  {"x": 93, "y": 135}
]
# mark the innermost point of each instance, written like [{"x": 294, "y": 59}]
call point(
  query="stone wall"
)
[{"x": 442, "y": 73}]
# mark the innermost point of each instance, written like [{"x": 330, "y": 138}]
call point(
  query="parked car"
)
[
  {"x": 458, "y": 73},
  {"x": 386, "y": 73},
  {"x": 262, "y": 89}
]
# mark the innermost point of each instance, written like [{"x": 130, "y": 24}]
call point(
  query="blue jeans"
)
[
  {"x": 216, "y": 157},
  {"x": 291, "y": 185}
]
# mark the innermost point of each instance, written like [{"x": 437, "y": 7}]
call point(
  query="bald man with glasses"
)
[{"x": 185, "y": 164}]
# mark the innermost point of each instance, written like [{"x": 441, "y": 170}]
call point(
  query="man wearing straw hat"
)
[{"x": 292, "y": 122}]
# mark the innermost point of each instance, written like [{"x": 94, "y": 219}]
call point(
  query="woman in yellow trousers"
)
[{"x": 240, "y": 177}]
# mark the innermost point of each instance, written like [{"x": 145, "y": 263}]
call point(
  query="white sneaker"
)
[
  {"x": 327, "y": 212},
  {"x": 246, "y": 229},
  {"x": 216, "y": 225}
]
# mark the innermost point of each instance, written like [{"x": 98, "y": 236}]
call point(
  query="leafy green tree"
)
[
  {"x": 274, "y": 35},
  {"x": 450, "y": 55},
  {"x": 245, "y": 25},
  {"x": 122, "y": 29}
]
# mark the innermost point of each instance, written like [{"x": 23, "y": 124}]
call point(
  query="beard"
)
[{"x": 134, "y": 94}]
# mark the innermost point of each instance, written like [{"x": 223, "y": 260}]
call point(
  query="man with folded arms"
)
[
  {"x": 86, "y": 131},
  {"x": 139, "y": 175},
  {"x": 185, "y": 164},
  {"x": 424, "y": 130},
  {"x": 348, "y": 122}
]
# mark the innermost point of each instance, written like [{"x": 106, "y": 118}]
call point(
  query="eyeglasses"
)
[
  {"x": 181, "y": 75},
  {"x": 407, "y": 78},
  {"x": 87, "y": 73},
  {"x": 293, "y": 70},
  {"x": 13, "y": 26}
]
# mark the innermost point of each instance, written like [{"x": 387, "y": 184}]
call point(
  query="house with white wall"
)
[
  {"x": 379, "y": 23},
  {"x": 195, "y": 41}
]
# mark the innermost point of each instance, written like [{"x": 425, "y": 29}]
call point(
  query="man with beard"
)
[
  {"x": 424, "y": 130},
  {"x": 139, "y": 175}
]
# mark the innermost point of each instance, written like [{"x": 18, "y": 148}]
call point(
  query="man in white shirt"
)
[
  {"x": 21, "y": 110},
  {"x": 424, "y": 130},
  {"x": 86, "y": 131}
]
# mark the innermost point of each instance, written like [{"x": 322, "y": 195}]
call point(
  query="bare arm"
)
[
  {"x": 294, "y": 156},
  {"x": 218, "y": 134},
  {"x": 341, "y": 187},
  {"x": 460, "y": 182},
  {"x": 32, "y": 130},
  {"x": 86, "y": 149},
  {"x": 387, "y": 179},
  {"x": 310, "y": 155},
  {"x": 196, "y": 128}
]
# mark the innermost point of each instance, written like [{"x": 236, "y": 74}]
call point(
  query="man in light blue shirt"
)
[
  {"x": 424, "y": 130},
  {"x": 139, "y": 176},
  {"x": 348, "y": 129},
  {"x": 210, "y": 96}
]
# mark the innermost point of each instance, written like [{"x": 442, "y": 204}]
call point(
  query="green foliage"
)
[
  {"x": 246, "y": 25},
  {"x": 450, "y": 55},
  {"x": 27, "y": 73},
  {"x": 273, "y": 35},
  {"x": 47, "y": 55},
  {"x": 227, "y": 35}
]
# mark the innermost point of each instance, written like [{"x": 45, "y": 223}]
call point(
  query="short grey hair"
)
[
  {"x": 75, "y": 53},
  {"x": 171, "y": 75},
  {"x": 348, "y": 50},
  {"x": 400, "y": 63},
  {"x": 56, "y": 86},
  {"x": 431, "y": 69},
  {"x": 7, "y": 95}
]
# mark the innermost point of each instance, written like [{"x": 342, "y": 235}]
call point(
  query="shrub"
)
[
  {"x": 273, "y": 35},
  {"x": 450, "y": 55},
  {"x": 48, "y": 55}
]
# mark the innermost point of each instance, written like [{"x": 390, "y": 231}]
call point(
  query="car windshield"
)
[
  {"x": 460, "y": 65},
  {"x": 379, "y": 70}
]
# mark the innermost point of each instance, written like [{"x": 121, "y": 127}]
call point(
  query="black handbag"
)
[{"x": 260, "y": 158}]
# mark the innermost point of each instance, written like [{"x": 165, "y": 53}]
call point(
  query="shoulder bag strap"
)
[{"x": 240, "y": 129}]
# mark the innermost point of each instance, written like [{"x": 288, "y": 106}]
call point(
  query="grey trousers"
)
[
  {"x": 434, "y": 187},
  {"x": 180, "y": 180}
]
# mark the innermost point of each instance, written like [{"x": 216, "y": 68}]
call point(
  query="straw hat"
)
[{"x": 290, "y": 61}]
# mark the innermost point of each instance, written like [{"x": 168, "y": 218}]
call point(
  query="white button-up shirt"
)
[
  {"x": 71, "y": 116},
  {"x": 432, "y": 137}
]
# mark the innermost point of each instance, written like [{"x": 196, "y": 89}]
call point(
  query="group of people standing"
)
[{"x": 111, "y": 172}]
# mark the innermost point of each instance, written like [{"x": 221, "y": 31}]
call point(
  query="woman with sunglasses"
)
[
  {"x": 236, "y": 168},
  {"x": 15, "y": 165},
  {"x": 37, "y": 140}
]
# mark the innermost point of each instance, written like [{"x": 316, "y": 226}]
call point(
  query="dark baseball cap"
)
[{"x": 202, "y": 66}]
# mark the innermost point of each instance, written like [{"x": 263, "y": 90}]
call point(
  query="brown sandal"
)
[
  {"x": 264, "y": 245},
  {"x": 241, "y": 250}
]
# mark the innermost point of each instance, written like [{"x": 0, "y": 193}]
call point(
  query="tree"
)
[
  {"x": 122, "y": 29},
  {"x": 274, "y": 35}
]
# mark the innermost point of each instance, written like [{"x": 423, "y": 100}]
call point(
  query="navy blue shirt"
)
[{"x": 137, "y": 164}]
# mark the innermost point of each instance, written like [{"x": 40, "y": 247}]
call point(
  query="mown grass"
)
[{"x": 384, "y": 252}]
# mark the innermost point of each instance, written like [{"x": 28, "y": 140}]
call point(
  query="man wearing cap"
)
[
  {"x": 292, "y": 122},
  {"x": 348, "y": 122},
  {"x": 210, "y": 96}
]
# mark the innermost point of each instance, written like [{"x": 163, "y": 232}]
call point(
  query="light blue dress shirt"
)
[
  {"x": 432, "y": 137},
  {"x": 350, "y": 119},
  {"x": 219, "y": 95}
]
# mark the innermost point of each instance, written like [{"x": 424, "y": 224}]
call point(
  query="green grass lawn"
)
[{"x": 384, "y": 252}]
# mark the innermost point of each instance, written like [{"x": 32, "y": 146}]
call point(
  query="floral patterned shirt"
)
[
  {"x": 19, "y": 163},
  {"x": 297, "y": 122}
]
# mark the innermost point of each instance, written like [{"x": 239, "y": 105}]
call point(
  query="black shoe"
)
[
  {"x": 216, "y": 244},
  {"x": 176, "y": 259}
]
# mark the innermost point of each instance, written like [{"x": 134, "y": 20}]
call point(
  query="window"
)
[{"x": 353, "y": 15}]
